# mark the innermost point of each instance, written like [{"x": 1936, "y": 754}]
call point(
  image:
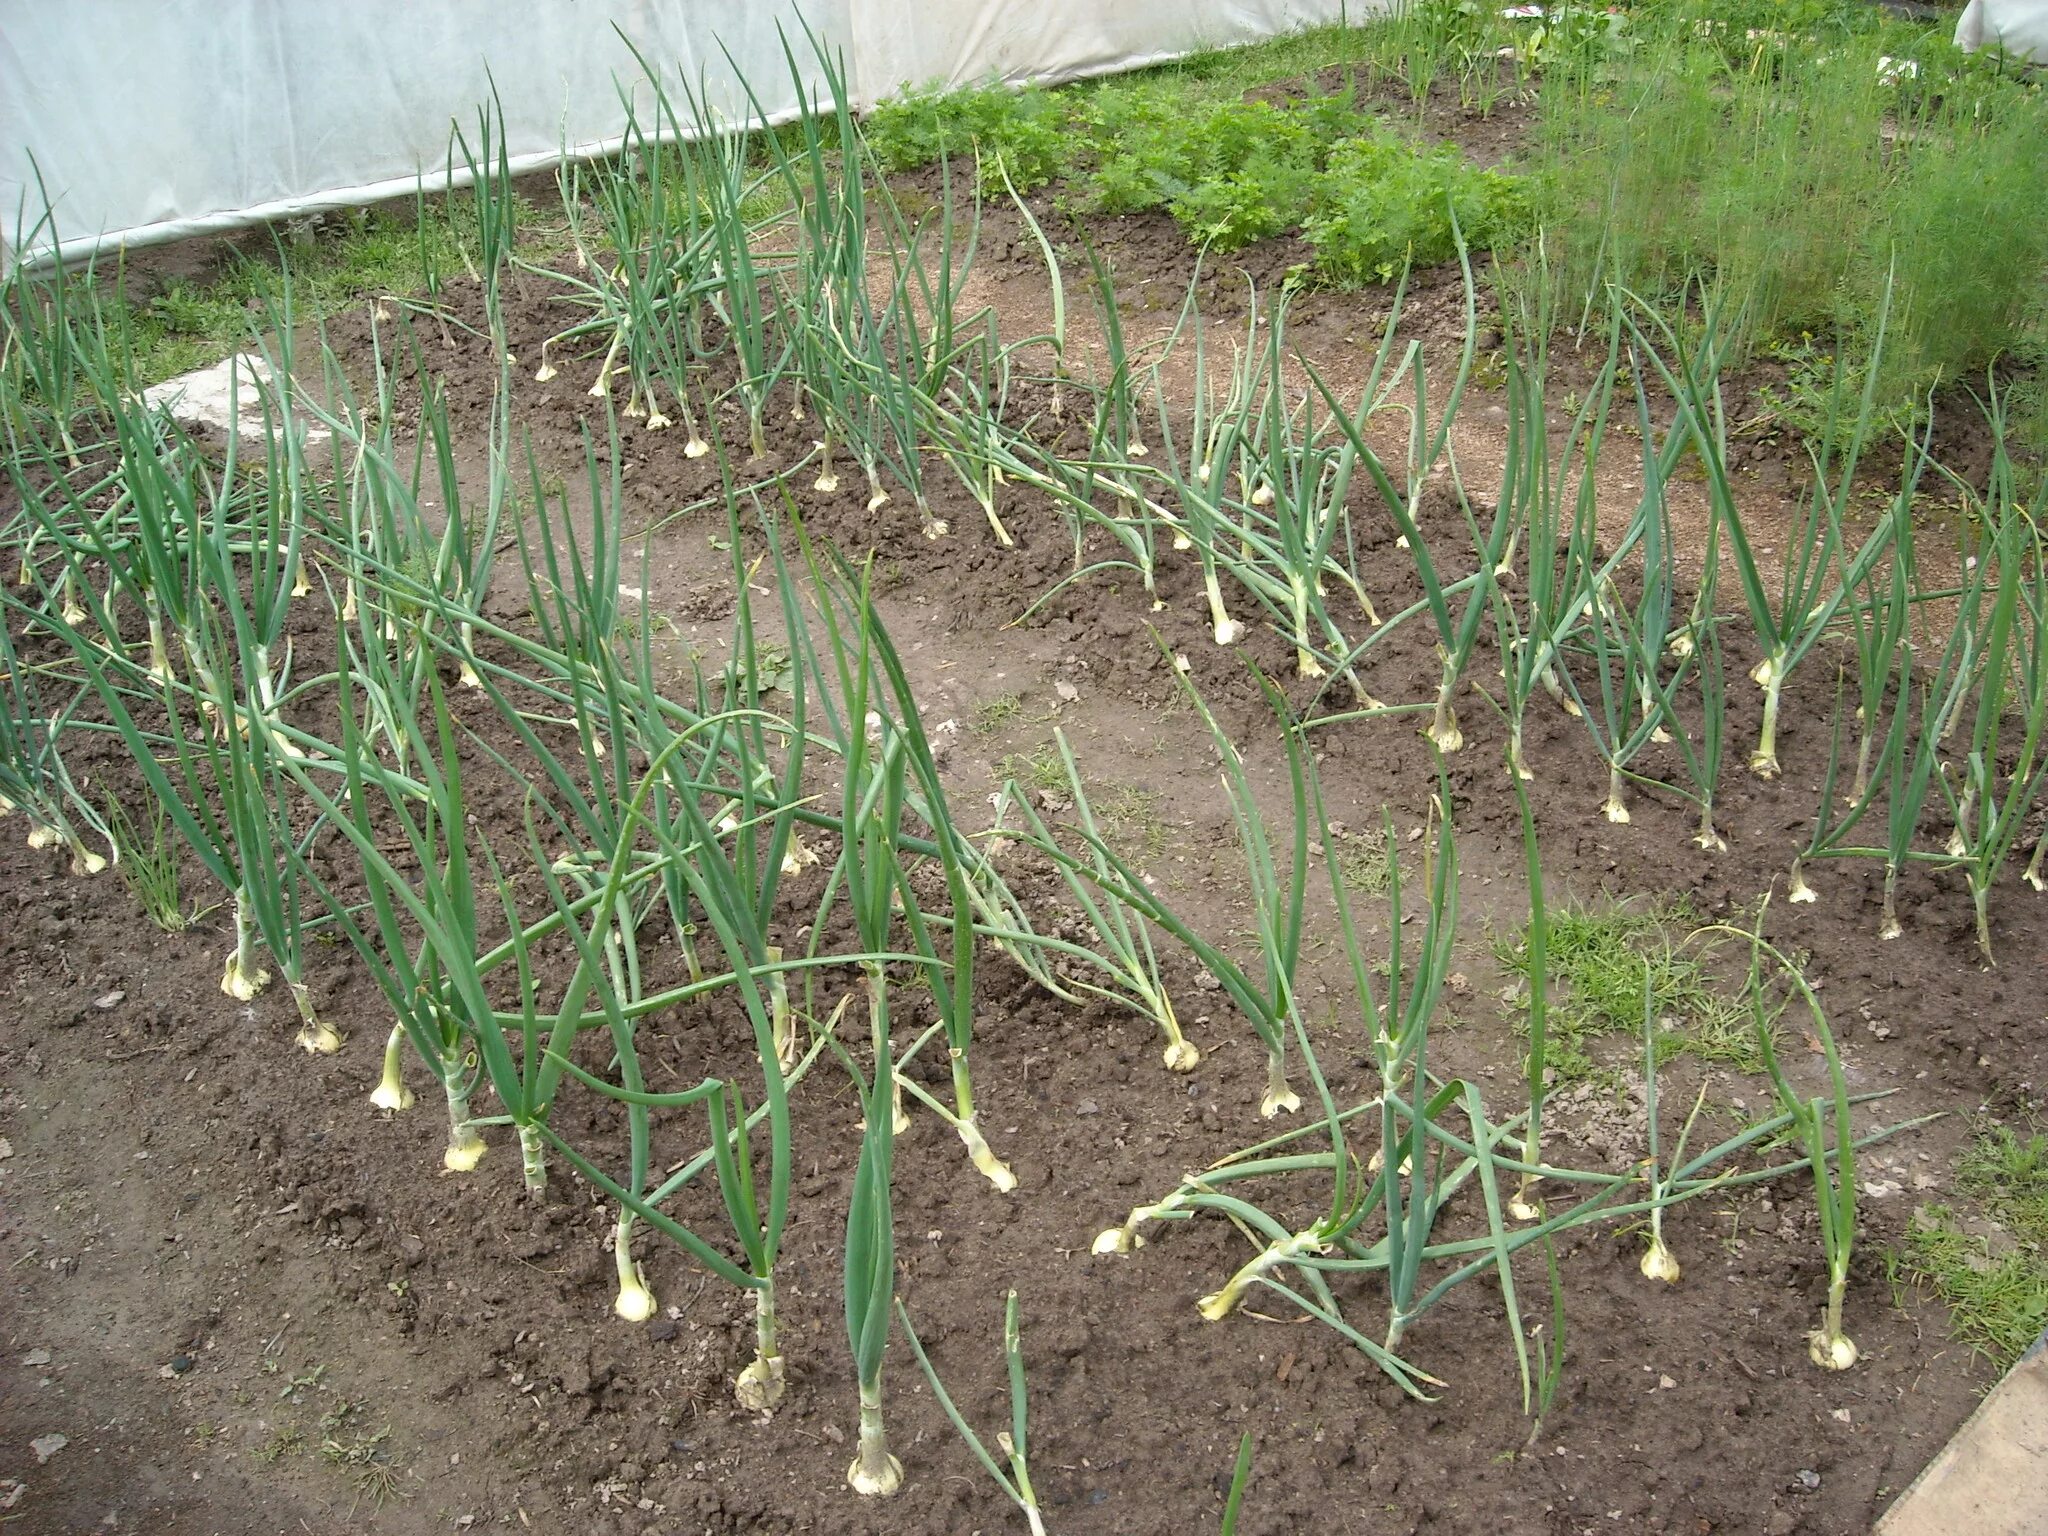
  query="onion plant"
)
[
  {"x": 871, "y": 1269},
  {"x": 2004, "y": 764},
  {"x": 1122, "y": 951},
  {"x": 45, "y": 384},
  {"x": 1536, "y": 1063},
  {"x": 488, "y": 163},
  {"x": 1815, "y": 581},
  {"x": 1879, "y": 618},
  {"x": 1428, "y": 441},
  {"x": 1551, "y": 510},
  {"x": 1267, "y": 1002},
  {"x": 219, "y": 553},
  {"x": 1923, "y": 711},
  {"x": 1013, "y": 1443},
  {"x": 1424, "y": 1162},
  {"x": 1823, "y": 1127},
  {"x": 1658, "y": 1261},
  {"x": 33, "y": 778},
  {"x": 886, "y": 751}
]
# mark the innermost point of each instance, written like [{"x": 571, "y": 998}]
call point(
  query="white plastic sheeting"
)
[
  {"x": 149, "y": 120},
  {"x": 2020, "y": 27}
]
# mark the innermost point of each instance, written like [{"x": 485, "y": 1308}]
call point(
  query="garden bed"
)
[{"x": 247, "y": 1301}]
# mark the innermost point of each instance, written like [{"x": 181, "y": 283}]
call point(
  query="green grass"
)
[
  {"x": 993, "y": 716},
  {"x": 1039, "y": 768},
  {"x": 346, "y": 258},
  {"x": 1996, "y": 1291},
  {"x": 149, "y": 865},
  {"x": 1131, "y": 820},
  {"x": 1225, "y": 74},
  {"x": 1597, "y": 959}
]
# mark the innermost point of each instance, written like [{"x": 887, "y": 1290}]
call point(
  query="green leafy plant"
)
[
  {"x": 1020, "y": 133},
  {"x": 1383, "y": 205}
]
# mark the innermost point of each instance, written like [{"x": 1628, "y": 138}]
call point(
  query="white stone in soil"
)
[{"x": 227, "y": 397}]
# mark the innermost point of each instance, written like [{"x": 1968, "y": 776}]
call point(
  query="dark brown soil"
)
[{"x": 265, "y": 1308}]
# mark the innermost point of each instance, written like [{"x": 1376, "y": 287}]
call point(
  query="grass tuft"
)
[
  {"x": 1994, "y": 1278},
  {"x": 1597, "y": 956}
]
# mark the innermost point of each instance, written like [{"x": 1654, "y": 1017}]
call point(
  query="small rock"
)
[
  {"x": 1806, "y": 1480},
  {"x": 36, "y": 1357},
  {"x": 110, "y": 1000},
  {"x": 46, "y": 1446},
  {"x": 1067, "y": 691},
  {"x": 1087, "y": 1107},
  {"x": 835, "y": 1434},
  {"x": 227, "y": 396},
  {"x": 180, "y": 1364}
]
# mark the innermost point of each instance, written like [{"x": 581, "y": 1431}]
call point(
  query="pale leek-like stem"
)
[
  {"x": 1443, "y": 729},
  {"x": 1827, "y": 1346},
  {"x": 1228, "y": 631},
  {"x": 1304, "y": 663},
  {"x": 635, "y": 1302},
  {"x": 466, "y": 1144},
  {"x": 1861, "y": 786},
  {"x": 1127, "y": 1237},
  {"x": 1659, "y": 1262},
  {"x": 1181, "y": 1054},
  {"x": 1614, "y": 806},
  {"x": 159, "y": 653},
  {"x": 986, "y": 1163},
  {"x": 760, "y": 1386},
  {"x": 782, "y": 1022},
  {"x": 1797, "y": 888},
  {"x": 1279, "y": 1097},
  {"x": 1027, "y": 1497},
  {"x": 1770, "y": 676},
  {"x": 874, "y": 1473},
  {"x": 1218, "y": 1305},
  {"x": 316, "y": 1035},
  {"x": 1708, "y": 836},
  {"x": 533, "y": 1163},
  {"x": 391, "y": 1092},
  {"x": 243, "y": 978}
]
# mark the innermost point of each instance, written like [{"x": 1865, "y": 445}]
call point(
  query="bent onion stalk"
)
[
  {"x": 1122, "y": 950},
  {"x": 1823, "y": 1128},
  {"x": 1013, "y": 1472}
]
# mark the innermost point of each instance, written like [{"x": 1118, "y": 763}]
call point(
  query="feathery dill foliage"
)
[{"x": 1799, "y": 158}]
